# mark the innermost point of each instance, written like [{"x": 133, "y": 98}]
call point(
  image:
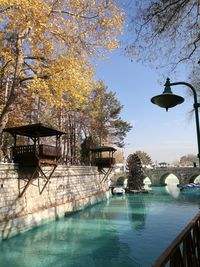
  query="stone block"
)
[{"x": 70, "y": 189}]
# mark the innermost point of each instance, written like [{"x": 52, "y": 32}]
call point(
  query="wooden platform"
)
[{"x": 35, "y": 154}]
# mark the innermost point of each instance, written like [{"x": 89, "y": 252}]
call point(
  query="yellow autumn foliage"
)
[
  {"x": 54, "y": 39},
  {"x": 70, "y": 81}
]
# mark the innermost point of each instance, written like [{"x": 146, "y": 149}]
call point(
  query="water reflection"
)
[
  {"x": 197, "y": 180},
  {"x": 88, "y": 238},
  {"x": 171, "y": 185},
  {"x": 138, "y": 213},
  {"x": 124, "y": 231},
  {"x": 173, "y": 190}
]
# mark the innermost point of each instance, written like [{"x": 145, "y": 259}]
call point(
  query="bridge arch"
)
[
  {"x": 169, "y": 178},
  {"x": 194, "y": 178},
  {"x": 183, "y": 174},
  {"x": 121, "y": 180},
  {"x": 147, "y": 181},
  {"x": 117, "y": 177}
]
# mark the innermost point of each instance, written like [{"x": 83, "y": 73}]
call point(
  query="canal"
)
[{"x": 130, "y": 230}]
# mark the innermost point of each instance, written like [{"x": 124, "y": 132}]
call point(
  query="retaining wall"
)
[{"x": 70, "y": 189}]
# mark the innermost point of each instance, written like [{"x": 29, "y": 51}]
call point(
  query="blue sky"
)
[{"x": 165, "y": 136}]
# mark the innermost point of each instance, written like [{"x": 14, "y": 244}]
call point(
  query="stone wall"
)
[{"x": 69, "y": 189}]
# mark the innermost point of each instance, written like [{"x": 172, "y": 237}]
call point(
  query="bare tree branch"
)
[
  {"x": 75, "y": 15},
  {"x": 34, "y": 58}
]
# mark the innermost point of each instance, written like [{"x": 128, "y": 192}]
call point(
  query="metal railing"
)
[{"x": 184, "y": 251}]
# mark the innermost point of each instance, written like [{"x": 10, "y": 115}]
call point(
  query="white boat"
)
[{"x": 118, "y": 191}]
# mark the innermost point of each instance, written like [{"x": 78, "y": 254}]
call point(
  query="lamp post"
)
[{"x": 168, "y": 100}]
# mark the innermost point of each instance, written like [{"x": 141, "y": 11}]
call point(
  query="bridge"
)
[{"x": 185, "y": 175}]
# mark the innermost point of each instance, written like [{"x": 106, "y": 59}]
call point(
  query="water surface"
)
[{"x": 128, "y": 231}]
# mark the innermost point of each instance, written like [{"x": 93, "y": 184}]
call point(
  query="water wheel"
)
[{"x": 134, "y": 172}]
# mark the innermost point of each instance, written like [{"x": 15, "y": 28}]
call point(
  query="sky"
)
[{"x": 165, "y": 136}]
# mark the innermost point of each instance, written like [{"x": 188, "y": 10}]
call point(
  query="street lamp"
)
[{"x": 168, "y": 100}]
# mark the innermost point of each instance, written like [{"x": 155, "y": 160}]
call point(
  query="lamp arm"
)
[
  {"x": 191, "y": 87},
  {"x": 196, "y": 106}
]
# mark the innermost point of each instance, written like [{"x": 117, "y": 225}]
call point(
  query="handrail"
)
[
  {"x": 184, "y": 251},
  {"x": 23, "y": 149},
  {"x": 42, "y": 149}
]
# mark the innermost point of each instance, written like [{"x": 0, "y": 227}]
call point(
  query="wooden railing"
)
[
  {"x": 185, "y": 249},
  {"x": 18, "y": 150},
  {"x": 104, "y": 162},
  {"x": 36, "y": 154},
  {"x": 42, "y": 150},
  {"x": 51, "y": 151}
]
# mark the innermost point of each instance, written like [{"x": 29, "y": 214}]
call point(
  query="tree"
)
[
  {"x": 86, "y": 145},
  {"x": 102, "y": 115},
  {"x": 166, "y": 32},
  {"x": 188, "y": 160},
  {"x": 195, "y": 81},
  {"x": 120, "y": 130},
  {"x": 45, "y": 45},
  {"x": 144, "y": 157},
  {"x": 119, "y": 156}
]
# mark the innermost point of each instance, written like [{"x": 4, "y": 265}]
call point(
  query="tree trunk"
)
[{"x": 15, "y": 83}]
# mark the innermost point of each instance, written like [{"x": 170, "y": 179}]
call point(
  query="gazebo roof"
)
[
  {"x": 103, "y": 149},
  {"x": 34, "y": 130}
]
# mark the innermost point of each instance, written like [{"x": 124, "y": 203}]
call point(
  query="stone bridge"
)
[{"x": 158, "y": 175}]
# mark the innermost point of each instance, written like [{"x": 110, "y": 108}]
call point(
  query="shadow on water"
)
[{"x": 87, "y": 238}]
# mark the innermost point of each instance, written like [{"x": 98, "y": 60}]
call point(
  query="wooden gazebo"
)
[
  {"x": 103, "y": 158},
  {"x": 35, "y": 154}
]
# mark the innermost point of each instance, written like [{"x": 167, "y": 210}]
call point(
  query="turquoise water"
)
[{"x": 128, "y": 231}]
